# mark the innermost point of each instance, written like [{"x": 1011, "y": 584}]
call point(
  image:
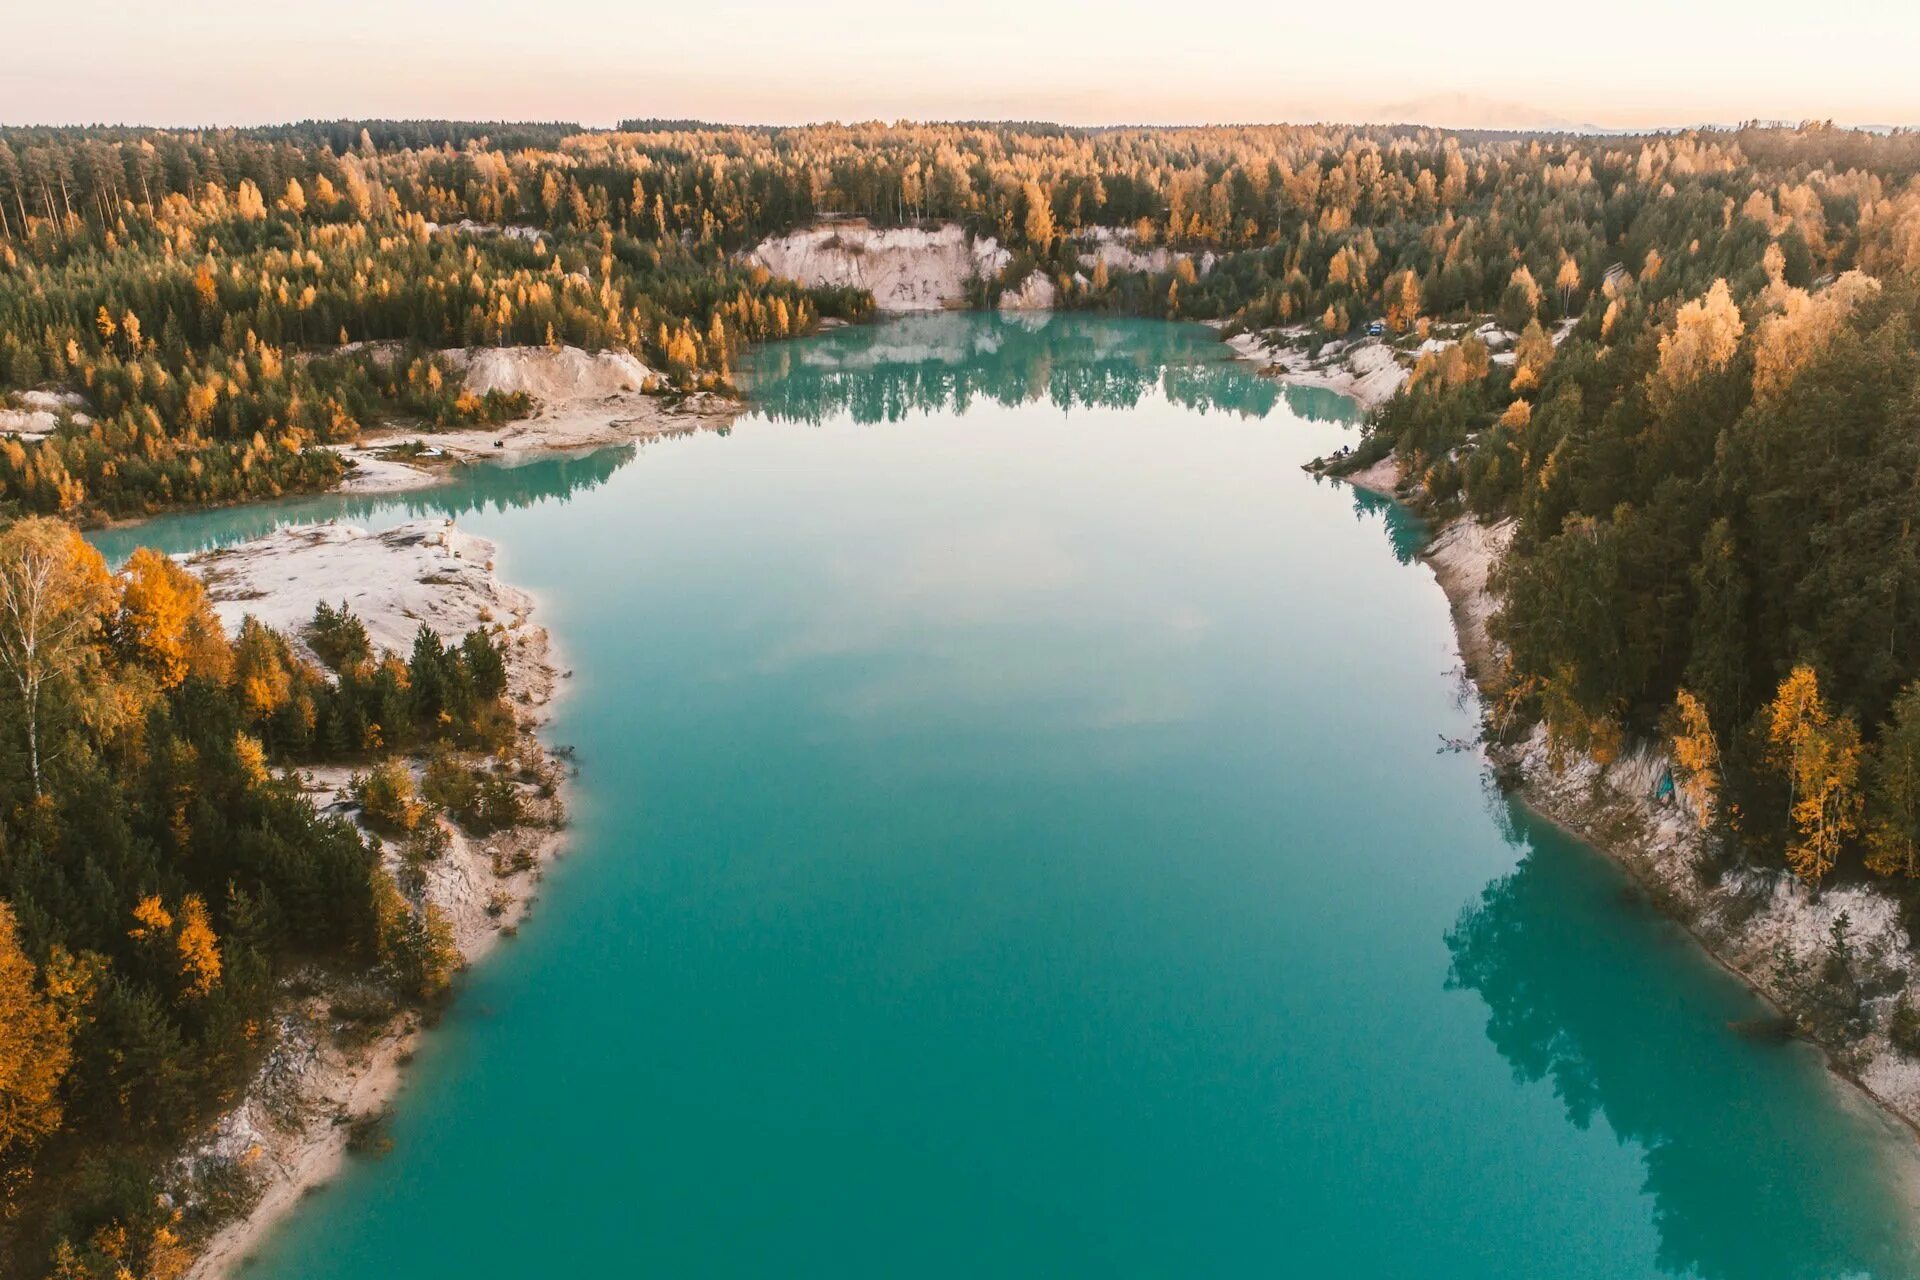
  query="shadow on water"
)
[
  {"x": 918, "y": 364},
  {"x": 1570, "y": 1007}
]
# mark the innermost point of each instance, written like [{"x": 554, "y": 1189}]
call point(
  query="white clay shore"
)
[
  {"x": 581, "y": 400},
  {"x": 291, "y": 1128},
  {"x": 1368, "y": 371},
  {"x": 1761, "y": 925}
]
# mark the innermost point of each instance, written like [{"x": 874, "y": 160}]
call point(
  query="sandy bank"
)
[
  {"x": 582, "y": 400},
  {"x": 292, "y": 1128},
  {"x": 1368, "y": 370},
  {"x": 1383, "y": 477},
  {"x": 423, "y": 571}
]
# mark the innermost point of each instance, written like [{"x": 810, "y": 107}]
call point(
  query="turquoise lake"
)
[{"x": 1016, "y": 836}]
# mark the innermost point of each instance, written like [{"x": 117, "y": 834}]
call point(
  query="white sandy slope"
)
[
  {"x": 581, "y": 400},
  {"x": 932, "y": 269},
  {"x": 425, "y": 571},
  {"x": 32, "y": 415},
  {"x": 289, "y": 1128},
  {"x": 1036, "y": 292},
  {"x": 1383, "y": 477},
  {"x": 1368, "y": 369},
  {"x": 1119, "y": 248},
  {"x": 468, "y": 227},
  {"x": 905, "y": 268}
]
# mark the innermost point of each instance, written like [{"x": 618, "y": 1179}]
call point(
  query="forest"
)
[
  {"x": 1706, "y": 435},
  {"x": 1713, "y": 477},
  {"x": 162, "y": 869},
  {"x": 213, "y": 307}
]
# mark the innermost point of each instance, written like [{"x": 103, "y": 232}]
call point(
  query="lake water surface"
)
[{"x": 1015, "y": 838}]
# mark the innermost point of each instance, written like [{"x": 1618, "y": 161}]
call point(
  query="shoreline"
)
[
  {"x": 1609, "y": 809},
  {"x": 1366, "y": 371},
  {"x": 293, "y": 1129},
  {"x": 364, "y": 1080},
  {"x": 554, "y": 428}
]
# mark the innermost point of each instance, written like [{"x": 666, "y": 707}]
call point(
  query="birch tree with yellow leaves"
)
[{"x": 54, "y": 597}]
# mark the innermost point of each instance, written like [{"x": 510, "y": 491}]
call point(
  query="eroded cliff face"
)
[
  {"x": 905, "y": 268},
  {"x": 938, "y": 268}
]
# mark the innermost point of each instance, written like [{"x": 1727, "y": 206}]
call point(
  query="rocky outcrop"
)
[
  {"x": 1369, "y": 370},
  {"x": 33, "y": 415}
]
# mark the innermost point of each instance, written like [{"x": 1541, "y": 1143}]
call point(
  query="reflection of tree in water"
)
[
  {"x": 1406, "y": 532},
  {"x": 553, "y": 478},
  {"x": 465, "y": 490},
  {"x": 883, "y": 372},
  {"x": 1321, "y": 404},
  {"x": 1741, "y": 1186}
]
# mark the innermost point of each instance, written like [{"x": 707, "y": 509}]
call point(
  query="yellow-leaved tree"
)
[
  {"x": 54, "y": 595},
  {"x": 1705, "y": 337},
  {"x": 1531, "y": 356},
  {"x": 1039, "y": 221},
  {"x": 1802, "y": 331},
  {"x": 198, "y": 948},
  {"x": 1819, "y": 754},
  {"x": 262, "y": 669},
  {"x": 35, "y": 1047},
  {"x": 1566, "y": 280},
  {"x": 166, "y": 621},
  {"x": 189, "y": 936},
  {"x": 1696, "y": 756},
  {"x": 1402, "y": 294}
]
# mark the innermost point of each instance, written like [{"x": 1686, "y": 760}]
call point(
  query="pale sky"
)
[{"x": 1624, "y": 64}]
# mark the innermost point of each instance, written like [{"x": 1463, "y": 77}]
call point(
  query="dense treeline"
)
[
  {"x": 222, "y": 303},
  {"x": 160, "y": 871},
  {"x": 1714, "y": 481},
  {"x": 1705, "y": 434},
  {"x": 177, "y": 280},
  {"x": 180, "y": 281}
]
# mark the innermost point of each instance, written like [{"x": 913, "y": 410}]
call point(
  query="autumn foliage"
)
[{"x": 157, "y": 868}]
